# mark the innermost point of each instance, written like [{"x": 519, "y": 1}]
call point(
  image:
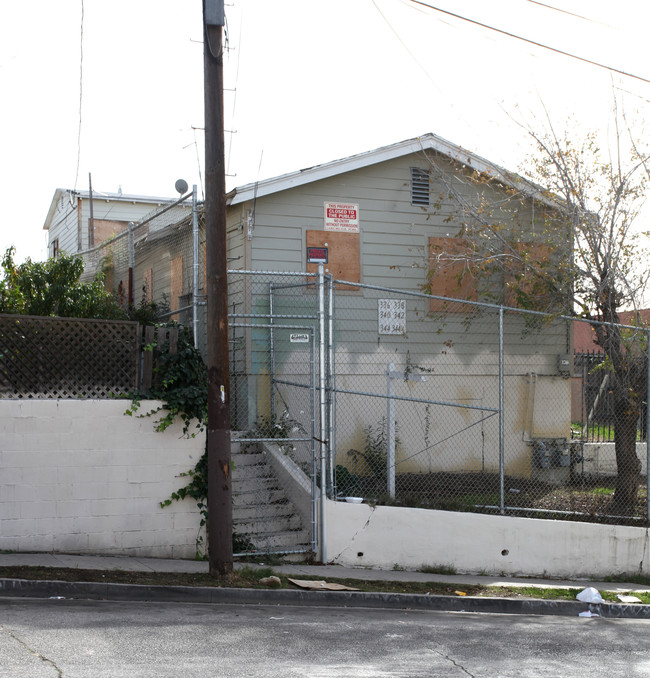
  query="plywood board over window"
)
[
  {"x": 147, "y": 285},
  {"x": 448, "y": 275},
  {"x": 342, "y": 255},
  {"x": 105, "y": 228},
  {"x": 176, "y": 282}
]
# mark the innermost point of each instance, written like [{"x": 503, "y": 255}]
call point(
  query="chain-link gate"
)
[{"x": 275, "y": 363}]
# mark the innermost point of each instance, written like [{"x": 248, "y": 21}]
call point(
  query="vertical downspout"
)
[{"x": 195, "y": 277}]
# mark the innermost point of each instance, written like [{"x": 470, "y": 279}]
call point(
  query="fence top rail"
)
[
  {"x": 239, "y": 271},
  {"x": 486, "y": 305},
  {"x": 57, "y": 318},
  {"x": 135, "y": 224},
  {"x": 257, "y": 326}
]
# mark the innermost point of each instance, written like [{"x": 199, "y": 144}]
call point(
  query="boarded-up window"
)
[
  {"x": 525, "y": 280},
  {"x": 147, "y": 285},
  {"x": 342, "y": 255},
  {"x": 449, "y": 274},
  {"x": 175, "y": 282},
  {"x": 105, "y": 228}
]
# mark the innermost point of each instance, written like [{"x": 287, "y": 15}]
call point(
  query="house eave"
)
[{"x": 422, "y": 144}]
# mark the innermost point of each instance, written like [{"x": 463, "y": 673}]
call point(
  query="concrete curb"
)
[{"x": 24, "y": 588}]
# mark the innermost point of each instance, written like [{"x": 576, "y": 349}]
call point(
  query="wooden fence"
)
[{"x": 46, "y": 357}]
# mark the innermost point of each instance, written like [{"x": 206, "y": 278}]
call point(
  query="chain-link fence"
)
[
  {"x": 407, "y": 398},
  {"x": 158, "y": 260},
  {"x": 454, "y": 405}
]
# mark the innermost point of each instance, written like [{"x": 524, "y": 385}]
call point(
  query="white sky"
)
[{"x": 314, "y": 81}]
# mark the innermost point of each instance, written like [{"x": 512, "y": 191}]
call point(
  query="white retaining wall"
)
[
  {"x": 386, "y": 536},
  {"x": 78, "y": 476},
  {"x": 81, "y": 477}
]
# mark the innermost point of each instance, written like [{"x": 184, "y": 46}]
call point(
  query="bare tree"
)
[{"x": 592, "y": 200}]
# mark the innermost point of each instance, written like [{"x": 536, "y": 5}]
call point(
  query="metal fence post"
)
[
  {"x": 647, "y": 427},
  {"x": 331, "y": 429},
  {"x": 131, "y": 294},
  {"x": 195, "y": 277},
  {"x": 390, "y": 431},
  {"x": 501, "y": 422},
  {"x": 323, "y": 409},
  {"x": 272, "y": 353}
]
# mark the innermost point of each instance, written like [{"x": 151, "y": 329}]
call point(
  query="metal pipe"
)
[
  {"x": 331, "y": 430},
  {"x": 390, "y": 426},
  {"x": 131, "y": 295},
  {"x": 195, "y": 278},
  {"x": 419, "y": 400},
  {"x": 314, "y": 487},
  {"x": 501, "y": 422},
  {"x": 323, "y": 413},
  {"x": 272, "y": 356}
]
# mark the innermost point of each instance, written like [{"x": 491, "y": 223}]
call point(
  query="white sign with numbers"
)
[{"x": 391, "y": 314}]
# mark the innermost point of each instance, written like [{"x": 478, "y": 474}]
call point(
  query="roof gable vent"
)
[{"x": 420, "y": 186}]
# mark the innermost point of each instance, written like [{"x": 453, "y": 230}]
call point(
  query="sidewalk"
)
[{"x": 17, "y": 587}]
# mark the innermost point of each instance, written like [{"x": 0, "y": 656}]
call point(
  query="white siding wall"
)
[{"x": 461, "y": 357}]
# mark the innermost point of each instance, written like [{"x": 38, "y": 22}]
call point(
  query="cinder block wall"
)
[{"x": 82, "y": 477}]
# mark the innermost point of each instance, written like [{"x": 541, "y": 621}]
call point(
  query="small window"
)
[
  {"x": 420, "y": 187},
  {"x": 55, "y": 248}
]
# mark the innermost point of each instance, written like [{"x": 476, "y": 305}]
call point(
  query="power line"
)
[
  {"x": 564, "y": 11},
  {"x": 532, "y": 42}
]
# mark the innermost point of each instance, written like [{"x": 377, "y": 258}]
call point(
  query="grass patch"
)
[
  {"x": 249, "y": 577},
  {"x": 438, "y": 569}
]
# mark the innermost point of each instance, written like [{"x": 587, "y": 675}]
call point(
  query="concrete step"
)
[
  {"x": 262, "y": 511},
  {"x": 270, "y": 541},
  {"x": 241, "y": 459},
  {"x": 267, "y": 496},
  {"x": 267, "y": 524},
  {"x": 262, "y": 514},
  {"x": 254, "y": 484}
]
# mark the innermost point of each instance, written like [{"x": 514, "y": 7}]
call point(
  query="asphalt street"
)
[{"x": 101, "y": 639}]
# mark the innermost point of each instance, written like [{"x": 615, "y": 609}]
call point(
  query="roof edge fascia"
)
[{"x": 426, "y": 142}]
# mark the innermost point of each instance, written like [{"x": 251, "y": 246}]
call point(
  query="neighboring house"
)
[
  {"x": 589, "y": 387},
  {"x": 69, "y": 224}
]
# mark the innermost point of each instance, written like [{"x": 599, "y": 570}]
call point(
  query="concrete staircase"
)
[{"x": 264, "y": 519}]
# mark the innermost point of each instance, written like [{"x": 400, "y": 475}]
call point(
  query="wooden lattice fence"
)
[{"x": 68, "y": 357}]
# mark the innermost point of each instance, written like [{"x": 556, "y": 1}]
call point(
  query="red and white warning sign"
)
[{"x": 340, "y": 216}]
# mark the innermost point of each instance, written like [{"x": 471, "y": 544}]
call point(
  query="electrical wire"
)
[
  {"x": 81, "y": 79},
  {"x": 564, "y": 11},
  {"x": 531, "y": 42}
]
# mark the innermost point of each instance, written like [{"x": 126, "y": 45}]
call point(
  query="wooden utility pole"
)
[{"x": 218, "y": 443}]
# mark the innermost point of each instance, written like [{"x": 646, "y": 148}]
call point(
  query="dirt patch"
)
[{"x": 585, "y": 499}]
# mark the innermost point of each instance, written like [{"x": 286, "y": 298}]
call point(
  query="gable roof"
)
[
  {"x": 98, "y": 195},
  {"x": 427, "y": 142}
]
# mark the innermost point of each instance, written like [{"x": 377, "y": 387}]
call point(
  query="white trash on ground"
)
[{"x": 590, "y": 595}]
